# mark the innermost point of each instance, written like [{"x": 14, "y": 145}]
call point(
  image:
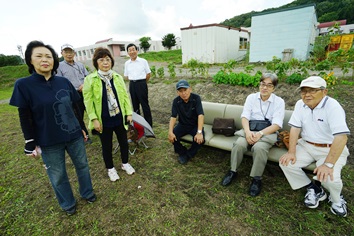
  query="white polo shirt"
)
[
  {"x": 136, "y": 70},
  {"x": 273, "y": 109},
  {"x": 321, "y": 124}
]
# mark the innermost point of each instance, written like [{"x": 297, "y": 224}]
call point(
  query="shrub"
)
[{"x": 294, "y": 78}]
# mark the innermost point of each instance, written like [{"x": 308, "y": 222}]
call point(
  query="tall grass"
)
[{"x": 174, "y": 56}]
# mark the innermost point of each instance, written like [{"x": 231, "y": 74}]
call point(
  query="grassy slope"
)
[{"x": 172, "y": 199}]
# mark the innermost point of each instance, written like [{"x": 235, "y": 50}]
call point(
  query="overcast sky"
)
[{"x": 84, "y": 22}]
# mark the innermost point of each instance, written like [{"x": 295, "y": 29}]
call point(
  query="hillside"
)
[{"x": 329, "y": 10}]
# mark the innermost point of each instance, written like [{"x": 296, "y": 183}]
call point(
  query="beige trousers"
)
[
  {"x": 306, "y": 154},
  {"x": 259, "y": 152}
]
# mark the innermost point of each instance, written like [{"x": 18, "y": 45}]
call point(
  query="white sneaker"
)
[
  {"x": 340, "y": 208},
  {"x": 113, "y": 175},
  {"x": 312, "y": 199},
  {"x": 128, "y": 168}
]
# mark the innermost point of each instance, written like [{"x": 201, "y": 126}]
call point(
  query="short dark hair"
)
[
  {"x": 271, "y": 76},
  {"x": 132, "y": 45},
  {"x": 101, "y": 52},
  {"x": 28, "y": 55}
]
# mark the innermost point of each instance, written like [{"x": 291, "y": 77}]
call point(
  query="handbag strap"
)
[{"x": 260, "y": 104}]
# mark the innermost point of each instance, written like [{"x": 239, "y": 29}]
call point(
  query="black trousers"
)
[
  {"x": 139, "y": 94},
  {"x": 82, "y": 110},
  {"x": 106, "y": 141}
]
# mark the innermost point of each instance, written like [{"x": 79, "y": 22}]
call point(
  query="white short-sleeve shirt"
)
[
  {"x": 136, "y": 70},
  {"x": 273, "y": 109},
  {"x": 321, "y": 124}
]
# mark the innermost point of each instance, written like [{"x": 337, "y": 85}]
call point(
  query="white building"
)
[
  {"x": 283, "y": 33},
  {"x": 325, "y": 27},
  {"x": 213, "y": 43},
  {"x": 118, "y": 48}
]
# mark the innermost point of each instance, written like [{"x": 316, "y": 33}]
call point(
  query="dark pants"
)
[
  {"x": 106, "y": 140},
  {"x": 139, "y": 93},
  {"x": 180, "y": 131},
  {"x": 82, "y": 109}
]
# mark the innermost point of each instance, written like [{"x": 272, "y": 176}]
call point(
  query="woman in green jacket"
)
[{"x": 108, "y": 108}]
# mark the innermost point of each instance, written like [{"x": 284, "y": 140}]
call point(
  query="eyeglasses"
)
[
  {"x": 107, "y": 59},
  {"x": 270, "y": 86},
  {"x": 310, "y": 91},
  {"x": 68, "y": 51}
]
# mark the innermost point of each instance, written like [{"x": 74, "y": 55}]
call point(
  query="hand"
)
[
  {"x": 287, "y": 158},
  {"x": 129, "y": 119},
  {"x": 30, "y": 147},
  {"x": 172, "y": 137},
  {"x": 252, "y": 137},
  {"x": 199, "y": 138},
  {"x": 323, "y": 172},
  {"x": 97, "y": 126},
  {"x": 85, "y": 135}
]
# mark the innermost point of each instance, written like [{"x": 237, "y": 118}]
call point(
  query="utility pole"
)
[{"x": 19, "y": 47}]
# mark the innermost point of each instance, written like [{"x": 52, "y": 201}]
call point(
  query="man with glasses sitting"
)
[
  {"x": 262, "y": 116},
  {"x": 75, "y": 72},
  {"x": 320, "y": 120}
]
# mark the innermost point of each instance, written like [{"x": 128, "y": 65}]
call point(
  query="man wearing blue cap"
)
[{"x": 188, "y": 107}]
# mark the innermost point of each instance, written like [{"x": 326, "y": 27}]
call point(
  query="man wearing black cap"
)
[{"x": 188, "y": 107}]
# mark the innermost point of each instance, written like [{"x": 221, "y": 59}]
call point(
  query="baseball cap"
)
[
  {"x": 67, "y": 46},
  {"x": 182, "y": 84},
  {"x": 313, "y": 82}
]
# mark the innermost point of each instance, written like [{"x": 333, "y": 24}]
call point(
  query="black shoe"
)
[
  {"x": 228, "y": 178},
  {"x": 71, "y": 211},
  {"x": 255, "y": 188},
  {"x": 183, "y": 159},
  {"x": 91, "y": 199}
]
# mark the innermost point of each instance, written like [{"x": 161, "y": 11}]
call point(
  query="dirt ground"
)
[{"x": 161, "y": 95}]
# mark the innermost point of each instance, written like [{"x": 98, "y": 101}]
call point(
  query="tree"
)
[
  {"x": 12, "y": 60},
  {"x": 168, "y": 41},
  {"x": 144, "y": 43}
]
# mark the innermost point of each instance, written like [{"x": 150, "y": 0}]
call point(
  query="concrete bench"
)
[{"x": 213, "y": 110}]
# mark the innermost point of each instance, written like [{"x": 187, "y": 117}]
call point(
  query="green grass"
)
[
  {"x": 164, "y": 56},
  {"x": 172, "y": 199}
]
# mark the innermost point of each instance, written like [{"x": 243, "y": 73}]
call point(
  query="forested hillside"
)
[{"x": 328, "y": 10}]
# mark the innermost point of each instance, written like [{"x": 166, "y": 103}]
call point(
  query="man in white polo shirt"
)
[
  {"x": 137, "y": 71},
  {"x": 320, "y": 120}
]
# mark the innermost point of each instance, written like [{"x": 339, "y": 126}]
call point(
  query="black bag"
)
[
  {"x": 225, "y": 126},
  {"x": 257, "y": 125}
]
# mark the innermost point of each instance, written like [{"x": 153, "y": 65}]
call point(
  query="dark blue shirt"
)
[
  {"x": 51, "y": 105},
  {"x": 187, "y": 112}
]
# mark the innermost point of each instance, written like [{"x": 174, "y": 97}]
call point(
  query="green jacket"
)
[{"x": 92, "y": 92}]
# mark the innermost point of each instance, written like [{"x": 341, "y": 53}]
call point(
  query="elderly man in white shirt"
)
[
  {"x": 262, "y": 117},
  {"x": 320, "y": 121}
]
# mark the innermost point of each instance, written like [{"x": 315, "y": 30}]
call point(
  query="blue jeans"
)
[{"x": 54, "y": 159}]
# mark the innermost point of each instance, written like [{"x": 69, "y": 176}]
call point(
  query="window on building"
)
[
  {"x": 122, "y": 48},
  {"x": 84, "y": 52},
  {"x": 243, "y": 43},
  {"x": 79, "y": 52},
  {"x": 91, "y": 51}
]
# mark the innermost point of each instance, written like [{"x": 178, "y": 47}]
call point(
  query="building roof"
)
[
  {"x": 283, "y": 9},
  {"x": 329, "y": 24},
  {"x": 104, "y": 40},
  {"x": 213, "y": 25}
]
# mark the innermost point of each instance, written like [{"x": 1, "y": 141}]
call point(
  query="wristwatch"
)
[
  {"x": 261, "y": 133},
  {"x": 199, "y": 131},
  {"x": 329, "y": 165}
]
